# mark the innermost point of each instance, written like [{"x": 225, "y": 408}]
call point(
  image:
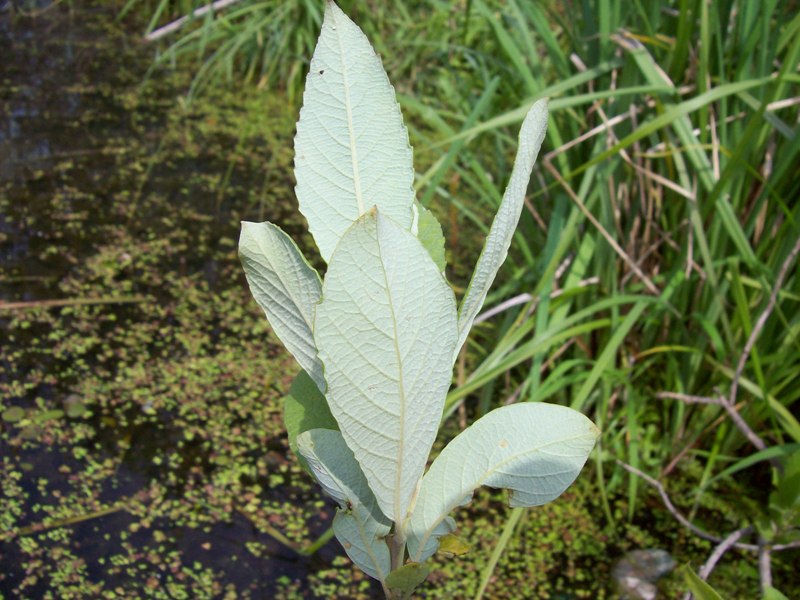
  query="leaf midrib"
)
[
  {"x": 400, "y": 387},
  {"x": 366, "y": 538},
  {"x": 350, "y": 128}
]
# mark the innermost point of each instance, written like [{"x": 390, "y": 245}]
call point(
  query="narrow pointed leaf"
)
[
  {"x": 359, "y": 525},
  {"x": 495, "y": 249},
  {"x": 304, "y": 409},
  {"x": 701, "y": 589},
  {"x": 385, "y": 330},
  {"x": 534, "y": 450},
  {"x": 351, "y": 148},
  {"x": 429, "y": 232},
  {"x": 286, "y": 287}
]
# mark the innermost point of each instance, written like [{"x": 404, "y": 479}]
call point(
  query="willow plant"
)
[{"x": 378, "y": 338}]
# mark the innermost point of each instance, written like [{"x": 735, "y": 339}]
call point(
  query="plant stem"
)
[
  {"x": 397, "y": 549},
  {"x": 323, "y": 539},
  {"x": 764, "y": 565}
]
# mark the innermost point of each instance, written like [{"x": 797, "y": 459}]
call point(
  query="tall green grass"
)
[
  {"x": 665, "y": 208},
  {"x": 267, "y": 43}
]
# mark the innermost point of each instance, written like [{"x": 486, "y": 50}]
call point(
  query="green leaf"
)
[
  {"x": 452, "y": 545},
  {"x": 359, "y": 525},
  {"x": 304, "y": 409},
  {"x": 286, "y": 287},
  {"x": 74, "y": 406},
  {"x": 770, "y": 593},
  {"x": 700, "y": 589},
  {"x": 762, "y": 455},
  {"x": 786, "y": 496},
  {"x": 407, "y": 578},
  {"x": 534, "y": 450},
  {"x": 351, "y": 148},
  {"x": 13, "y": 414},
  {"x": 385, "y": 330},
  {"x": 429, "y": 233},
  {"x": 495, "y": 250},
  {"x": 362, "y": 538}
]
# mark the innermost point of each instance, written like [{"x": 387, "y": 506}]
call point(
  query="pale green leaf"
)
[
  {"x": 701, "y": 589},
  {"x": 770, "y": 593},
  {"x": 534, "y": 450},
  {"x": 359, "y": 525},
  {"x": 429, "y": 232},
  {"x": 444, "y": 528},
  {"x": 13, "y": 414},
  {"x": 304, "y": 409},
  {"x": 495, "y": 249},
  {"x": 385, "y": 330},
  {"x": 452, "y": 545},
  {"x": 362, "y": 538},
  {"x": 286, "y": 287},
  {"x": 351, "y": 148}
]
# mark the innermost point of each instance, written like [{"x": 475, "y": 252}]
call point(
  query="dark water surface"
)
[{"x": 141, "y": 433}]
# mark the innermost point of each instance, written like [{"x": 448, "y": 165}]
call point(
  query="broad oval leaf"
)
[
  {"x": 495, "y": 249},
  {"x": 304, "y": 409},
  {"x": 534, "y": 450},
  {"x": 359, "y": 525},
  {"x": 286, "y": 287},
  {"x": 385, "y": 330},
  {"x": 351, "y": 148}
]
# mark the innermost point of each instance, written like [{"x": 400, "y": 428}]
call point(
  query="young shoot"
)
[{"x": 378, "y": 337}]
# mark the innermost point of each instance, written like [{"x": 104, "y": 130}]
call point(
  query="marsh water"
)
[{"x": 141, "y": 441}]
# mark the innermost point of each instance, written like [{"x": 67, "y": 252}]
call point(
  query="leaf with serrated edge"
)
[
  {"x": 359, "y": 525},
  {"x": 534, "y": 450},
  {"x": 495, "y": 249},
  {"x": 304, "y": 409},
  {"x": 287, "y": 289},
  {"x": 351, "y": 148},
  {"x": 385, "y": 331}
]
